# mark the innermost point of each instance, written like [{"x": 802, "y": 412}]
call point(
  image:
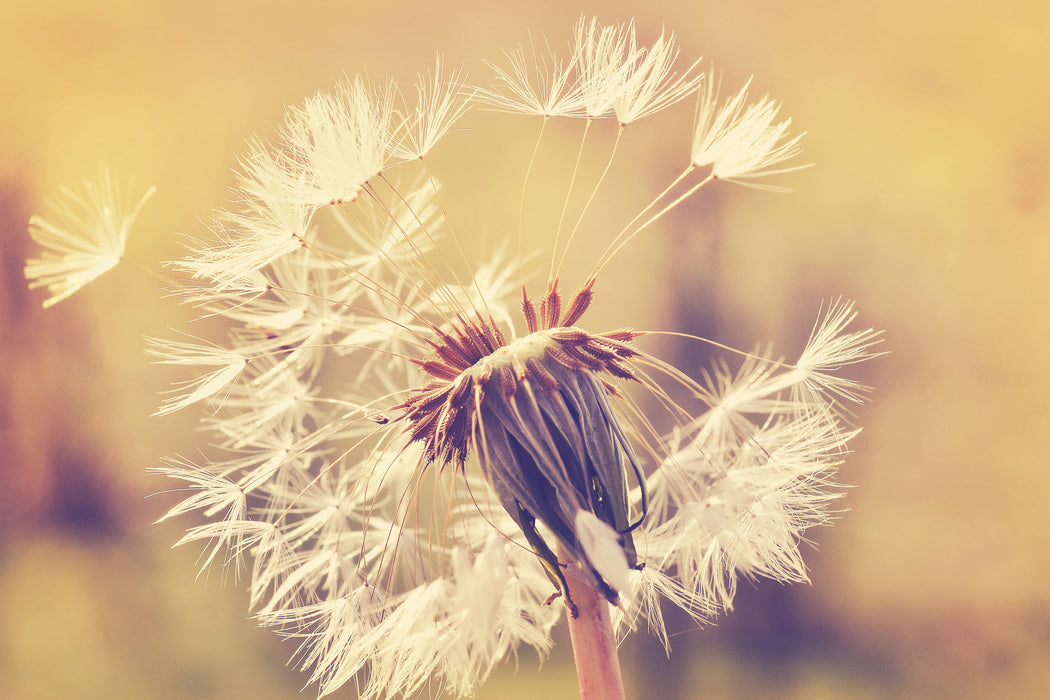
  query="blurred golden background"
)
[{"x": 929, "y": 206}]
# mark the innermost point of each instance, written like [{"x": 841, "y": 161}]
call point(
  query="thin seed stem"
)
[
  {"x": 521, "y": 203},
  {"x": 675, "y": 203},
  {"x": 587, "y": 206},
  {"x": 639, "y": 215},
  {"x": 607, "y": 257},
  {"x": 454, "y": 237},
  {"x": 165, "y": 279},
  {"x": 593, "y": 642},
  {"x": 565, "y": 206}
]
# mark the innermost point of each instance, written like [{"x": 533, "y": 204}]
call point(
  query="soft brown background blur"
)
[{"x": 928, "y": 206}]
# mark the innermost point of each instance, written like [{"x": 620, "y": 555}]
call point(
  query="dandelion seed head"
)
[{"x": 403, "y": 466}]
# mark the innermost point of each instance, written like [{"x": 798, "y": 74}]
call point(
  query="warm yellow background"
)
[{"x": 928, "y": 122}]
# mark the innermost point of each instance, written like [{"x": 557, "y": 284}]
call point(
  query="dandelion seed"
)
[
  {"x": 413, "y": 464},
  {"x": 83, "y": 236},
  {"x": 620, "y": 77},
  {"x": 441, "y": 103},
  {"x": 228, "y": 363},
  {"x": 336, "y": 142},
  {"x": 740, "y": 141},
  {"x": 546, "y": 88}
]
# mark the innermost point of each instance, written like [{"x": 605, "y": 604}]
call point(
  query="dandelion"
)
[{"x": 414, "y": 465}]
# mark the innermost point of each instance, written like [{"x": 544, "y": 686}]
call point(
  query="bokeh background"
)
[{"x": 928, "y": 206}]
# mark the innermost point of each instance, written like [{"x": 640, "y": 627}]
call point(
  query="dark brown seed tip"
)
[{"x": 581, "y": 301}]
